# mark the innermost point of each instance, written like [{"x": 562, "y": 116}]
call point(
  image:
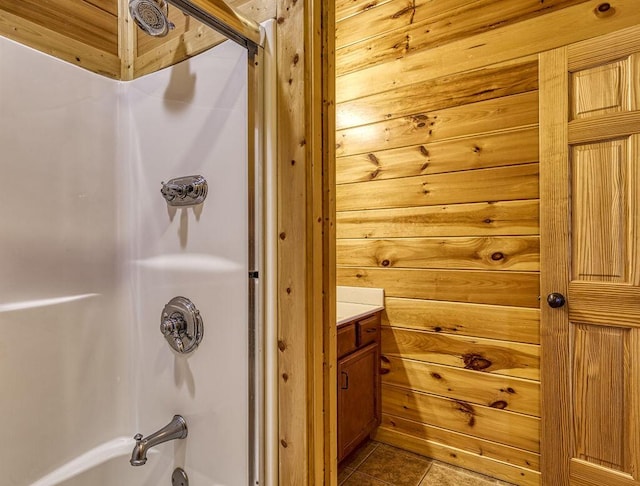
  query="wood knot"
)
[
  {"x": 497, "y": 256},
  {"x": 436, "y": 376},
  {"x": 385, "y": 263},
  {"x": 288, "y": 290},
  {"x": 604, "y": 10},
  {"x": 283, "y": 235},
  {"x": 475, "y": 362},
  {"x": 285, "y": 377},
  {"x": 437, "y": 329},
  {"x": 296, "y": 58},
  {"x": 501, "y": 404},
  {"x": 281, "y": 345},
  {"x": 283, "y": 443}
]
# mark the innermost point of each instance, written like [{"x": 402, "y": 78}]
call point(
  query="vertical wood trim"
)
[
  {"x": 126, "y": 41},
  {"x": 306, "y": 246},
  {"x": 554, "y": 255},
  {"x": 328, "y": 77},
  {"x": 292, "y": 287},
  {"x": 316, "y": 257}
]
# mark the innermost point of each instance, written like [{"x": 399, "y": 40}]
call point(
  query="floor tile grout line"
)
[
  {"x": 375, "y": 446},
  {"x": 425, "y": 473},
  {"x": 344, "y": 480}
]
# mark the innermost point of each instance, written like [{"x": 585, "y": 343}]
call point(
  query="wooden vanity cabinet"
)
[{"x": 359, "y": 405}]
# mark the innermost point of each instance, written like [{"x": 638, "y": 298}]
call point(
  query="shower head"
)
[{"x": 151, "y": 16}]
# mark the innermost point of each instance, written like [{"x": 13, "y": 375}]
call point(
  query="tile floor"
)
[{"x": 376, "y": 464}]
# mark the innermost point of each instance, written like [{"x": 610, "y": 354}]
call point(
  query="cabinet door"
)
[{"x": 357, "y": 398}]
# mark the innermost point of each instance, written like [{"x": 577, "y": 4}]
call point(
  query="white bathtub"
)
[{"x": 108, "y": 463}]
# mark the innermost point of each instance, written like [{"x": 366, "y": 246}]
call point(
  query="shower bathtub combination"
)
[{"x": 134, "y": 250}]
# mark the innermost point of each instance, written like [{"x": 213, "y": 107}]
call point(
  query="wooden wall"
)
[
  {"x": 82, "y": 32},
  {"x": 438, "y": 201},
  {"x": 88, "y": 33}
]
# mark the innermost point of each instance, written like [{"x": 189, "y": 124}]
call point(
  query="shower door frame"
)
[{"x": 224, "y": 19}]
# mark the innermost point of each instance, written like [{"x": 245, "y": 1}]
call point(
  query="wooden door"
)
[{"x": 590, "y": 253}]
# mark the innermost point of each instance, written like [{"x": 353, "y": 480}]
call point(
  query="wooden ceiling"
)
[{"x": 98, "y": 34}]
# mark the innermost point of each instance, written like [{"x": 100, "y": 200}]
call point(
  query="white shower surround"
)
[{"x": 90, "y": 253}]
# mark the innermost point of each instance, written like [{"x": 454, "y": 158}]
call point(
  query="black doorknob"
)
[{"x": 555, "y": 300}]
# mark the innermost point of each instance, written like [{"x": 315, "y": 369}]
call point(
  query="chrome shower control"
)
[
  {"x": 185, "y": 191},
  {"x": 181, "y": 325}
]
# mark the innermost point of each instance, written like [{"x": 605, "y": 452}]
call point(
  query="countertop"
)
[{"x": 357, "y": 302}]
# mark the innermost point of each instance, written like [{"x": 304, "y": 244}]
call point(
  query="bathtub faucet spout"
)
[{"x": 176, "y": 429}]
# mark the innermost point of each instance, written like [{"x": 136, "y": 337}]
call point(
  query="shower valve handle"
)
[
  {"x": 185, "y": 191},
  {"x": 181, "y": 325}
]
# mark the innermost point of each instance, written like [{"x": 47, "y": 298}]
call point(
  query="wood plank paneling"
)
[
  {"x": 59, "y": 45},
  {"x": 477, "y": 354},
  {"x": 488, "y": 321},
  {"x": 498, "y": 45},
  {"x": 484, "y": 116},
  {"x": 512, "y": 429},
  {"x": 519, "y": 146},
  {"x": 493, "y": 218},
  {"x": 475, "y": 445},
  {"x": 389, "y": 16},
  {"x": 489, "y": 287},
  {"x": 459, "y": 456},
  {"x": 476, "y": 18},
  {"x": 440, "y": 93},
  {"x": 496, "y": 184},
  {"x": 110, "y": 6},
  {"x": 77, "y": 19},
  {"x": 502, "y": 392},
  {"x": 488, "y": 253},
  {"x": 347, "y": 8}
]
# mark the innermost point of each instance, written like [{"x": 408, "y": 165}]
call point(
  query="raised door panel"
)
[
  {"x": 600, "y": 406},
  {"x": 599, "y": 211}
]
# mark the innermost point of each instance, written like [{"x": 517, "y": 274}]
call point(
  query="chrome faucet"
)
[{"x": 176, "y": 429}]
